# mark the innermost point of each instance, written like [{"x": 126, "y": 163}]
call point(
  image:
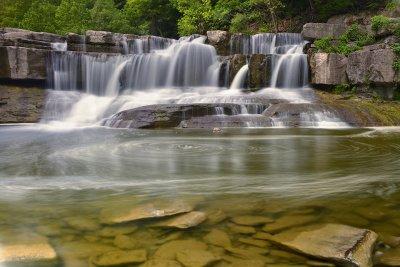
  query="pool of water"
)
[{"x": 49, "y": 175}]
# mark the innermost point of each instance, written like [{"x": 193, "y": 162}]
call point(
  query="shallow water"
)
[{"x": 50, "y": 174}]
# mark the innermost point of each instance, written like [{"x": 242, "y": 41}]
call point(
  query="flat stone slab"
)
[
  {"x": 161, "y": 263},
  {"x": 119, "y": 257},
  {"x": 251, "y": 220},
  {"x": 184, "y": 221},
  {"x": 218, "y": 238},
  {"x": 26, "y": 253},
  {"x": 241, "y": 229},
  {"x": 145, "y": 211},
  {"x": 337, "y": 243},
  {"x": 288, "y": 221}
]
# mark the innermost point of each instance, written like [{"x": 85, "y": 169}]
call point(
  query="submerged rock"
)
[
  {"x": 218, "y": 238},
  {"x": 184, "y": 221},
  {"x": 241, "y": 229},
  {"x": 333, "y": 242},
  {"x": 145, "y": 211},
  {"x": 27, "y": 253},
  {"x": 251, "y": 220},
  {"x": 254, "y": 242},
  {"x": 119, "y": 257},
  {"x": 160, "y": 263},
  {"x": 169, "y": 250},
  {"x": 112, "y": 231},
  {"x": 82, "y": 223},
  {"x": 196, "y": 258},
  {"x": 288, "y": 221},
  {"x": 390, "y": 257}
]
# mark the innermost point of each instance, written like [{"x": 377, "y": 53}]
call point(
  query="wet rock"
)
[
  {"x": 246, "y": 254},
  {"x": 251, "y": 220},
  {"x": 254, "y": 242},
  {"x": 196, "y": 258},
  {"x": 119, "y": 257},
  {"x": 319, "y": 264},
  {"x": 287, "y": 255},
  {"x": 240, "y": 43},
  {"x": 259, "y": 70},
  {"x": 82, "y": 223},
  {"x": 83, "y": 249},
  {"x": 21, "y": 63},
  {"x": 112, "y": 231},
  {"x": 161, "y": 263},
  {"x": 332, "y": 242},
  {"x": 288, "y": 221},
  {"x": 125, "y": 242},
  {"x": 49, "y": 229},
  {"x": 215, "y": 216},
  {"x": 101, "y": 37},
  {"x": 262, "y": 236},
  {"x": 220, "y": 40},
  {"x": 328, "y": 69},
  {"x": 169, "y": 250},
  {"x": 19, "y": 35},
  {"x": 240, "y": 229},
  {"x": 372, "y": 66},
  {"x": 169, "y": 237},
  {"x": 209, "y": 122},
  {"x": 312, "y": 31},
  {"x": 184, "y": 221},
  {"x": 145, "y": 211},
  {"x": 218, "y": 238},
  {"x": 166, "y": 116},
  {"x": 393, "y": 241},
  {"x": 30, "y": 253},
  {"x": 390, "y": 257}
]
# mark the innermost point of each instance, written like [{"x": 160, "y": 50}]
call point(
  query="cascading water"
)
[{"x": 90, "y": 87}]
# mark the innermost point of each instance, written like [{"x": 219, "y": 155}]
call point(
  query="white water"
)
[{"x": 90, "y": 87}]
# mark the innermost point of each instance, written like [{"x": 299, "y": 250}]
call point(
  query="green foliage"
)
[
  {"x": 105, "y": 16},
  {"x": 343, "y": 88},
  {"x": 392, "y": 5},
  {"x": 73, "y": 16},
  {"x": 354, "y": 39},
  {"x": 380, "y": 22},
  {"x": 35, "y": 20}
]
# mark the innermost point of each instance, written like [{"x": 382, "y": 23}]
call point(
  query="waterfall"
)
[
  {"x": 240, "y": 78},
  {"x": 90, "y": 87}
]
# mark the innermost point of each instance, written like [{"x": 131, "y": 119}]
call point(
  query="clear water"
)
[{"x": 49, "y": 174}]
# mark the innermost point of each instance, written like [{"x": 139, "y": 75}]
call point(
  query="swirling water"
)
[{"x": 48, "y": 175}]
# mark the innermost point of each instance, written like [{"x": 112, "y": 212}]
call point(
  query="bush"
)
[
  {"x": 380, "y": 22},
  {"x": 343, "y": 88}
]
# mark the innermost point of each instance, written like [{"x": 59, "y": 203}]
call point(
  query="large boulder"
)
[
  {"x": 220, "y": 40},
  {"x": 167, "y": 116},
  {"x": 312, "y": 31},
  {"x": 341, "y": 244},
  {"x": 20, "y": 63},
  {"x": 328, "y": 69},
  {"x": 372, "y": 65}
]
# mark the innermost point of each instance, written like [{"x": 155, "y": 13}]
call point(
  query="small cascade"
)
[{"x": 240, "y": 78}]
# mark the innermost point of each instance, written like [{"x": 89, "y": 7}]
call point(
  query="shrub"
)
[
  {"x": 380, "y": 22},
  {"x": 396, "y": 65},
  {"x": 343, "y": 88}
]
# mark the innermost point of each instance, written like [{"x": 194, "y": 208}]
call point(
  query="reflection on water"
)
[{"x": 46, "y": 176}]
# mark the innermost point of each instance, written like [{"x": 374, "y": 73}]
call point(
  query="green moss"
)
[
  {"x": 380, "y": 22},
  {"x": 343, "y": 88}
]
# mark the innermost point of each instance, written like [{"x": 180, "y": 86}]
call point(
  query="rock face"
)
[
  {"x": 341, "y": 244},
  {"x": 312, "y": 31},
  {"x": 374, "y": 65},
  {"x": 20, "y": 63},
  {"x": 236, "y": 63},
  {"x": 21, "y": 104},
  {"x": 220, "y": 40},
  {"x": 328, "y": 69},
  {"x": 259, "y": 70}
]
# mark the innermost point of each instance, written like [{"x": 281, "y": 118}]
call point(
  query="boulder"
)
[
  {"x": 167, "y": 115},
  {"x": 312, "y": 31},
  {"x": 341, "y": 244},
  {"x": 259, "y": 70},
  {"x": 20, "y": 63},
  {"x": 220, "y": 40},
  {"x": 372, "y": 65},
  {"x": 328, "y": 69},
  {"x": 145, "y": 211}
]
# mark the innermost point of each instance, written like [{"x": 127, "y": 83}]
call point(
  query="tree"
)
[
  {"x": 273, "y": 6},
  {"x": 73, "y": 16},
  {"x": 35, "y": 20},
  {"x": 105, "y": 16},
  {"x": 157, "y": 17},
  {"x": 12, "y": 12}
]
